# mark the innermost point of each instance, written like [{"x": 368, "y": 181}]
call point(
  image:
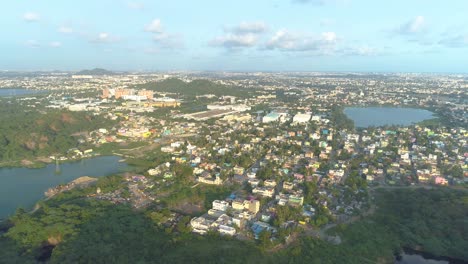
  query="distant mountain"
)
[{"x": 96, "y": 71}]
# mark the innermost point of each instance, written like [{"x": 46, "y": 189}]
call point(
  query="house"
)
[
  {"x": 264, "y": 191},
  {"x": 238, "y": 170},
  {"x": 252, "y": 206},
  {"x": 220, "y": 205},
  {"x": 440, "y": 181},
  {"x": 210, "y": 180},
  {"x": 270, "y": 183},
  {"x": 226, "y": 230}
]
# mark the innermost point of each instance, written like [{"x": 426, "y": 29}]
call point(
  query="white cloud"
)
[
  {"x": 135, "y": 5},
  {"x": 154, "y": 27},
  {"x": 329, "y": 36},
  {"x": 248, "y": 27},
  {"x": 105, "y": 37},
  {"x": 31, "y": 17},
  {"x": 235, "y": 41},
  {"x": 244, "y": 35},
  {"x": 414, "y": 26},
  {"x": 287, "y": 41},
  {"x": 161, "y": 37},
  {"x": 55, "y": 44},
  {"x": 65, "y": 29}
]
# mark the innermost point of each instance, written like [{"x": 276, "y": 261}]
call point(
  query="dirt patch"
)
[
  {"x": 44, "y": 159},
  {"x": 67, "y": 118},
  {"x": 189, "y": 208},
  {"x": 30, "y": 144},
  {"x": 26, "y": 162}
]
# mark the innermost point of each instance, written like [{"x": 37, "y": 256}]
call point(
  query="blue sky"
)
[{"x": 254, "y": 35}]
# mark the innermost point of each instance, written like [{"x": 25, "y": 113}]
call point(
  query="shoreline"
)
[
  {"x": 426, "y": 255},
  {"x": 41, "y": 162}
]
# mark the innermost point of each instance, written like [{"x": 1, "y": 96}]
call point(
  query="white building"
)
[
  {"x": 220, "y": 205},
  {"x": 226, "y": 230},
  {"x": 301, "y": 118}
]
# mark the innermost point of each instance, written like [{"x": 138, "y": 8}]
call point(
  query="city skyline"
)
[{"x": 288, "y": 35}]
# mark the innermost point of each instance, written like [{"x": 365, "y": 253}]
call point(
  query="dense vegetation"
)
[
  {"x": 28, "y": 134},
  {"x": 433, "y": 221},
  {"x": 84, "y": 230},
  {"x": 339, "y": 118},
  {"x": 95, "y": 71},
  {"x": 194, "y": 88}
]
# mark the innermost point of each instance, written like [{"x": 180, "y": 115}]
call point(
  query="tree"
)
[{"x": 264, "y": 239}]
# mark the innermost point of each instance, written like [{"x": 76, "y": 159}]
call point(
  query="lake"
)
[
  {"x": 23, "y": 187},
  {"x": 9, "y": 92},
  {"x": 381, "y": 116},
  {"x": 415, "y": 258}
]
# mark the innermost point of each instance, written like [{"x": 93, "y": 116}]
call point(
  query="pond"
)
[
  {"x": 382, "y": 116},
  {"x": 23, "y": 187}
]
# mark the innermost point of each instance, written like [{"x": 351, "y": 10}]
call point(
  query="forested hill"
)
[
  {"x": 193, "y": 88},
  {"x": 96, "y": 71},
  {"x": 31, "y": 134},
  {"x": 74, "y": 228}
]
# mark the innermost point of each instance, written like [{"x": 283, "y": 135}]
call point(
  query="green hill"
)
[
  {"x": 196, "y": 87},
  {"x": 96, "y": 71}
]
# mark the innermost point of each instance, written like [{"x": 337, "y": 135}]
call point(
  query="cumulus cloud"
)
[
  {"x": 105, "y": 37},
  {"x": 65, "y": 29},
  {"x": 235, "y": 40},
  {"x": 161, "y": 37},
  {"x": 244, "y": 35},
  {"x": 288, "y": 41},
  {"x": 135, "y": 5},
  {"x": 154, "y": 27},
  {"x": 31, "y": 17},
  {"x": 414, "y": 26},
  {"x": 248, "y": 27}
]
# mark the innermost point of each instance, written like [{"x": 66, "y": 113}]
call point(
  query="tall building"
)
[{"x": 147, "y": 93}]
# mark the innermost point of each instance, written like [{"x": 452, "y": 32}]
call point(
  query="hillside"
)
[
  {"x": 96, "y": 71},
  {"x": 71, "y": 228},
  {"x": 31, "y": 134},
  {"x": 196, "y": 87}
]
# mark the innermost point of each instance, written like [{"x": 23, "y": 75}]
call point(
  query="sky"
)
[{"x": 240, "y": 35}]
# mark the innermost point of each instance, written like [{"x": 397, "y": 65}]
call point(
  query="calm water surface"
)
[
  {"x": 381, "y": 116},
  {"x": 18, "y": 92},
  {"x": 418, "y": 259},
  {"x": 23, "y": 187}
]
